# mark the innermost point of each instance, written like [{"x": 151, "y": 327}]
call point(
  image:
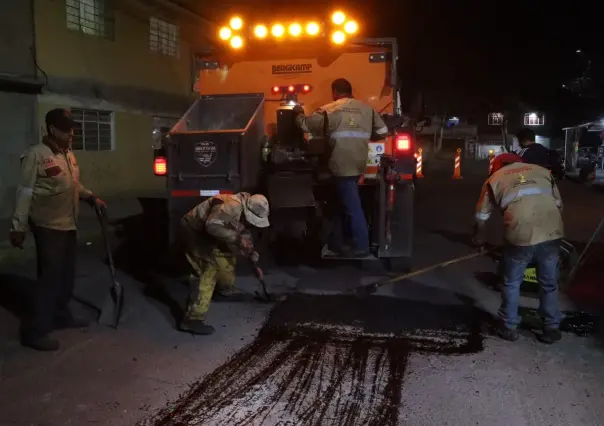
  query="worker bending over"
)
[
  {"x": 213, "y": 233},
  {"x": 352, "y": 124},
  {"x": 530, "y": 201}
]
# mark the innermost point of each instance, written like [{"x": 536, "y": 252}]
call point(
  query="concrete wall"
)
[
  {"x": 17, "y": 110},
  {"x": 120, "y": 75},
  {"x": 126, "y": 171}
]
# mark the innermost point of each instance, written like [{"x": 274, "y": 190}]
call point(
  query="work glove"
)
[
  {"x": 17, "y": 238},
  {"x": 246, "y": 244}
]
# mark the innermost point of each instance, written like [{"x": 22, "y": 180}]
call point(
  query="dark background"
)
[{"x": 475, "y": 56}]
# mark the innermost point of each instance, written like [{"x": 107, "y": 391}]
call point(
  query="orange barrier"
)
[
  {"x": 491, "y": 161},
  {"x": 418, "y": 166},
  {"x": 457, "y": 169}
]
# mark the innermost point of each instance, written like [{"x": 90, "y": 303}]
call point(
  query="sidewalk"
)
[{"x": 89, "y": 228}]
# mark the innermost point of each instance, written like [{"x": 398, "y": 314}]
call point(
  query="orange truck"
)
[{"x": 240, "y": 135}]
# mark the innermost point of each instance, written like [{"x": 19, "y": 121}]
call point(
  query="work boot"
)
[
  {"x": 550, "y": 335},
  {"x": 62, "y": 323},
  {"x": 228, "y": 296},
  {"x": 507, "y": 333},
  {"x": 40, "y": 343},
  {"x": 196, "y": 327}
]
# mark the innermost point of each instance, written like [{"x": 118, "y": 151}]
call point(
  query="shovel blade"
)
[{"x": 111, "y": 310}]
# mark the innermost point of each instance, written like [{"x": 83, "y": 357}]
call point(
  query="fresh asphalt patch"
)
[{"x": 326, "y": 360}]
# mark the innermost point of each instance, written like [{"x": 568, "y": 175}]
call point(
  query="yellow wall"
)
[
  {"x": 126, "y": 171},
  {"x": 126, "y": 60}
]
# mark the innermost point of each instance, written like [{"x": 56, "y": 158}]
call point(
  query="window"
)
[
  {"x": 89, "y": 17},
  {"x": 495, "y": 119},
  {"x": 93, "y": 130},
  {"x": 163, "y": 37},
  {"x": 534, "y": 119}
]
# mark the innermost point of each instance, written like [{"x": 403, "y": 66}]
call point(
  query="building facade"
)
[{"x": 124, "y": 68}]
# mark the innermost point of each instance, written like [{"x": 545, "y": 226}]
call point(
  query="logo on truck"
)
[
  {"x": 205, "y": 153},
  {"x": 292, "y": 69}
]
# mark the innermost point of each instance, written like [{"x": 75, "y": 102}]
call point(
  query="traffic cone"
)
[
  {"x": 418, "y": 166},
  {"x": 457, "y": 169},
  {"x": 491, "y": 161}
]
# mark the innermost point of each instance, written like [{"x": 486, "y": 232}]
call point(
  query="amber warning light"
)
[
  {"x": 298, "y": 88},
  {"x": 160, "y": 166}
]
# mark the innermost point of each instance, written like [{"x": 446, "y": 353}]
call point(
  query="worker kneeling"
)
[
  {"x": 530, "y": 201},
  {"x": 213, "y": 233}
]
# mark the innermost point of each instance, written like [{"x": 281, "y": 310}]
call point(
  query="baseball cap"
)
[
  {"x": 256, "y": 211},
  {"x": 60, "y": 118}
]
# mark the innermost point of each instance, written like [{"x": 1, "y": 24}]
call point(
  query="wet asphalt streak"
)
[{"x": 327, "y": 360}]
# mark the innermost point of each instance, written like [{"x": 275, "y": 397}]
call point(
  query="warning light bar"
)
[
  {"x": 338, "y": 27},
  {"x": 160, "y": 166},
  {"x": 297, "y": 88}
]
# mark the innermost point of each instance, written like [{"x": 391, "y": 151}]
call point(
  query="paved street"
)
[{"x": 409, "y": 355}]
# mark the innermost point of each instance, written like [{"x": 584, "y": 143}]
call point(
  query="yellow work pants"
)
[{"x": 215, "y": 268}]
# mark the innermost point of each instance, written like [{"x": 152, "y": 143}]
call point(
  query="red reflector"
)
[
  {"x": 276, "y": 89},
  {"x": 403, "y": 142},
  {"x": 291, "y": 88},
  {"x": 160, "y": 166}
]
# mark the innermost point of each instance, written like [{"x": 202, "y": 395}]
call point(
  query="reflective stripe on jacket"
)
[
  {"x": 49, "y": 189},
  {"x": 352, "y": 124},
  {"x": 530, "y": 201}
]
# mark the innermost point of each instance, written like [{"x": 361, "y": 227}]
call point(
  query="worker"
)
[
  {"x": 47, "y": 203},
  {"x": 531, "y": 151},
  {"x": 352, "y": 124},
  {"x": 213, "y": 233},
  {"x": 530, "y": 201}
]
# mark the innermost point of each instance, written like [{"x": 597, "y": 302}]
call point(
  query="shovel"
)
[
  {"x": 368, "y": 289},
  {"x": 111, "y": 309},
  {"x": 265, "y": 296}
]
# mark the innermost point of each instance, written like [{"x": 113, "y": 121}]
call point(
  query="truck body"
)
[{"x": 239, "y": 136}]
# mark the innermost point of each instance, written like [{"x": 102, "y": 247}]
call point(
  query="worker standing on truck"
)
[
  {"x": 352, "y": 124},
  {"x": 213, "y": 233},
  {"x": 530, "y": 201},
  {"x": 47, "y": 203}
]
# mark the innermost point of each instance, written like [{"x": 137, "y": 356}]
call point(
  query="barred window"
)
[
  {"x": 495, "y": 119},
  {"x": 90, "y": 17},
  {"x": 93, "y": 130},
  {"x": 534, "y": 119},
  {"x": 163, "y": 37}
]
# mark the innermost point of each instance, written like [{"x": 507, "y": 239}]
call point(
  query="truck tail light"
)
[
  {"x": 403, "y": 142},
  {"x": 160, "y": 166}
]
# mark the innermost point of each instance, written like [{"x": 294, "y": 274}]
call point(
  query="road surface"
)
[{"x": 412, "y": 354}]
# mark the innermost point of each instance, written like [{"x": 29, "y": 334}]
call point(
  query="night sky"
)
[{"x": 474, "y": 54}]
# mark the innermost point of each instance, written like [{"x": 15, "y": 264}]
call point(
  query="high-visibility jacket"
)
[
  {"x": 530, "y": 201},
  {"x": 49, "y": 189},
  {"x": 351, "y": 126}
]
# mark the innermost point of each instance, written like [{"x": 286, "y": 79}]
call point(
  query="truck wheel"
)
[{"x": 399, "y": 264}]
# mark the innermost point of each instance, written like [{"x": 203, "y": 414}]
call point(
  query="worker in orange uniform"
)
[
  {"x": 213, "y": 233},
  {"x": 47, "y": 203},
  {"x": 352, "y": 124},
  {"x": 532, "y": 213}
]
